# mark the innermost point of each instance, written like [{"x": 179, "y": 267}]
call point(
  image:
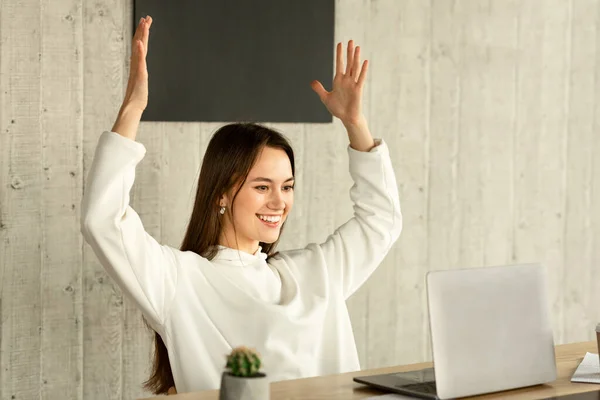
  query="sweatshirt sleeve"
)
[
  {"x": 357, "y": 247},
  {"x": 145, "y": 270}
]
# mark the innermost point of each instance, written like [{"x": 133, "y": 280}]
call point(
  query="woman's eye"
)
[{"x": 285, "y": 188}]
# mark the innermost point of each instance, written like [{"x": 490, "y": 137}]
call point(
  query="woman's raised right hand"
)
[{"x": 136, "y": 95}]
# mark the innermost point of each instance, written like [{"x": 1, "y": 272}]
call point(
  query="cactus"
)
[{"x": 243, "y": 362}]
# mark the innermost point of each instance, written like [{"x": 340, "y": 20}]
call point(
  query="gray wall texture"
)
[{"x": 490, "y": 111}]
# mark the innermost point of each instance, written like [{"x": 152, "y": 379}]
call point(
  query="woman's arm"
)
[
  {"x": 144, "y": 270},
  {"x": 357, "y": 247},
  {"x": 345, "y": 99},
  {"x": 127, "y": 121},
  {"x": 136, "y": 94}
]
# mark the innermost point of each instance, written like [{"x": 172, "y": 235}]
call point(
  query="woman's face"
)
[{"x": 262, "y": 204}]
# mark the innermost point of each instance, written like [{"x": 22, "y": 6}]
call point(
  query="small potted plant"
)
[{"x": 242, "y": 378}]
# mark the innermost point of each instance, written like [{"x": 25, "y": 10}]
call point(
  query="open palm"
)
[
  {"x": 136, "y": 94},
  {"x": 344, "y": 100}
]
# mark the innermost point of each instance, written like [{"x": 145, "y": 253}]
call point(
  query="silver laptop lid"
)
[{"x": 490, "y": 329}]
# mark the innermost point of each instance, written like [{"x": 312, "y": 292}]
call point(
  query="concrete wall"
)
[{"x": 490, "y": 111}]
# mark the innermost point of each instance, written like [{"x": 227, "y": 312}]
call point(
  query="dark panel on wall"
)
[{"x": 238, "y": 60}]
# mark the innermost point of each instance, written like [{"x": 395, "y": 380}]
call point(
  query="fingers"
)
[
  {"x": 349, "y": 57},
  {"x": 141, "y": 56},
  {"x": 138, "y": 31},
  {"x": 319, "y": 89},
  {"x": 339, "y": 60},
  {"x": 146, "y": 33},
  {"x": 355, "y": 63},
  {"x": 137, "y": 65},
  {"x": 363, "y": 73},
  {"x": 142, "y": 31},
  {"x": 353, "y": 66}
]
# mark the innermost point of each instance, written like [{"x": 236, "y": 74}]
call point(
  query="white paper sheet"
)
[{"x": 588, "y": 370}]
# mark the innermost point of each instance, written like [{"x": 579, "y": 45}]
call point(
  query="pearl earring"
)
[{"x": 222, "y": 210}]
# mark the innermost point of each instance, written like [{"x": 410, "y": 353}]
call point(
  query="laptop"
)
[{"x": 490, "y": 331}]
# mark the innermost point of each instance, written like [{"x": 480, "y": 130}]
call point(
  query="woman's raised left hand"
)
[{"x": 344, "y": 100}]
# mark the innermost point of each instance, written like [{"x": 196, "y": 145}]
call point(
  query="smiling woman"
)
[
  {"x": 245, "y": 176},
  {"x": 227, "y": 286},
  {"x": 261, "y": 203}
]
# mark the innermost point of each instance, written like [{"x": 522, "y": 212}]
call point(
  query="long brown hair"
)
[{"x": 231, "y": 153}]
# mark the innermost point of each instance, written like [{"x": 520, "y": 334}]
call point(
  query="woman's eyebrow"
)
[{"x": 261, "y": 179}]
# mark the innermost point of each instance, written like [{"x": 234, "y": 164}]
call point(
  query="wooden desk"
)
[{"x": 338, "y": 387}]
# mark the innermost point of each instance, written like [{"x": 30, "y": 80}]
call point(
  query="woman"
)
[{"x": 227, "y": 286}]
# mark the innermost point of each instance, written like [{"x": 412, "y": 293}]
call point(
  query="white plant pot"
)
[{"x": 237, "y": 388}]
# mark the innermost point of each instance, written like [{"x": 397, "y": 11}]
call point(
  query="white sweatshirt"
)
[{"x": 291, "y": 307}]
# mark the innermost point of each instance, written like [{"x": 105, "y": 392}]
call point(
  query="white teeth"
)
[{"x": 271, "y": 219}]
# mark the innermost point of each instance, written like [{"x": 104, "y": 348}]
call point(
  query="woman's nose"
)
[{"x": 276, "y": 201}]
